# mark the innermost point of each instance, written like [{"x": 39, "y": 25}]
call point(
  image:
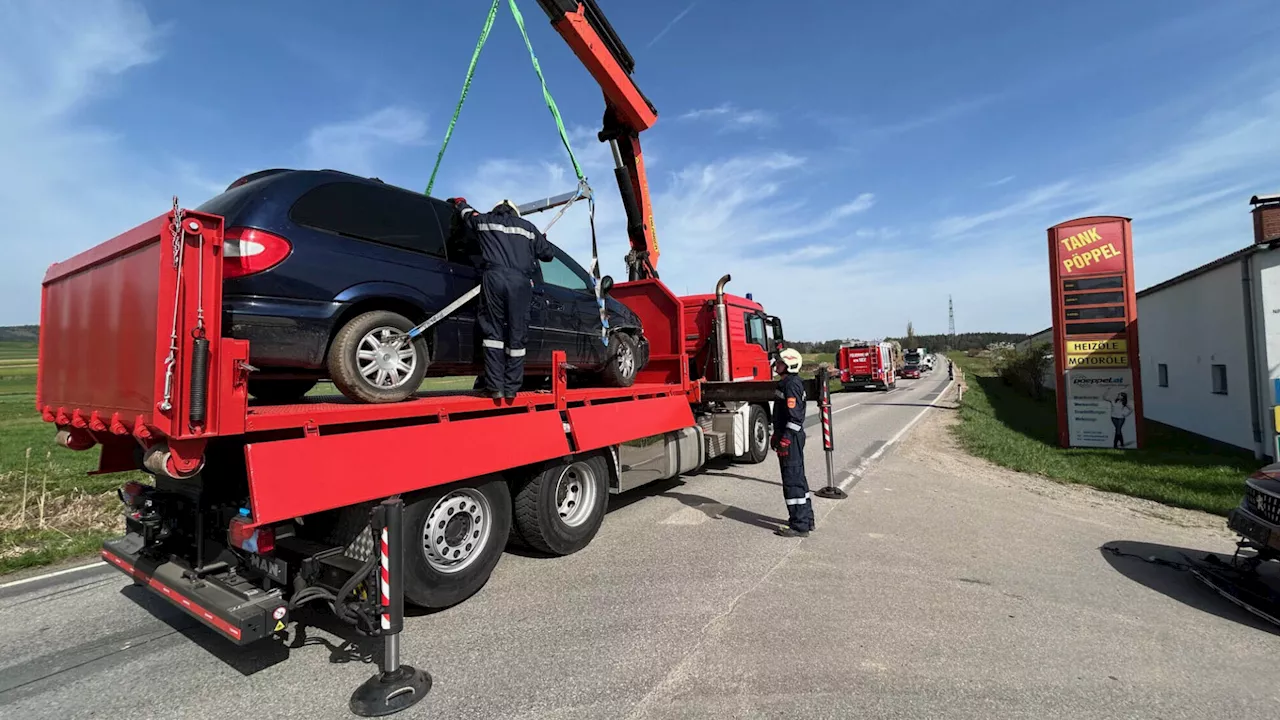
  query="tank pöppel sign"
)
[{"x": 1095, "y": 333}]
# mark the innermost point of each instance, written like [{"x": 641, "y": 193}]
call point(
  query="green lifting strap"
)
[
  {"x": 466, "y": 86},
  {"x": 471, "y": 71}
]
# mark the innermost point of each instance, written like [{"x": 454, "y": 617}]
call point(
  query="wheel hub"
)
[
  {"x": 626, "y": 361},
  {"x": 456, "y": 529},
  {"x": 576, "y": 494},
  {"x": 761, "y": 434},
  {"x": 383, "y": 360}
]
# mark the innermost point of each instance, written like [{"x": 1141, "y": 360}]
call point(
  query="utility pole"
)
[{"x": 951, "y": 323}]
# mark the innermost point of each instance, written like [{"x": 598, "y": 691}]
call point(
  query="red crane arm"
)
[{"x": 627, "y": 113}]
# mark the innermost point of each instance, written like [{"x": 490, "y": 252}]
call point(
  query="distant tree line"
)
[
  {"x": 20, "y": 333},
  {"x": 963, "y": 341}
]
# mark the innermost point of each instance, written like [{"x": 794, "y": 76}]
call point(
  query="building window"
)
[
  {"x": 1162, "y": 374},
  {"x": 1219, "y": 379}
]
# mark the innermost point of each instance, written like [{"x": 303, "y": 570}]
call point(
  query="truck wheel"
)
[
  {"x": 367, "y": 365},
  {"x": 559, "y": 510},
  {"x": 757, "y": 436},
  {"x": 280, "y": 391},
  {"x": 453, "y": 538},
  {"x": 624, "y": 361}
]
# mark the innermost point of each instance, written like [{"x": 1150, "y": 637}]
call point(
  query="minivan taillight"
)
[{"x": 246, "y": 251}]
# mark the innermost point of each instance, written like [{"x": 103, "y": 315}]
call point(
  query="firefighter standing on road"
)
[
  {"x": 788, "y": 442},
  {"x": 510, "y": 248}
]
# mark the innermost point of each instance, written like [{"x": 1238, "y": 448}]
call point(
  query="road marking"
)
[
  {"x": 856, "y": 473},
  {"x": 46, "y": 576},
  {"x": 816, "y": 417}
]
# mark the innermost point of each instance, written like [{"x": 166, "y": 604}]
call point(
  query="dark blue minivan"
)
[{"x": 324, "y": 271}]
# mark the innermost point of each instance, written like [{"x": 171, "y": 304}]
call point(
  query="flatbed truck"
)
[{"x": 253, "y": 510}]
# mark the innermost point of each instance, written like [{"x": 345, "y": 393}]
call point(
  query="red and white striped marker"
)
[
  {"x": 384, "y": 584},
  {"x": 824, "y": 407},
  {"x": 828, "y": 440}
]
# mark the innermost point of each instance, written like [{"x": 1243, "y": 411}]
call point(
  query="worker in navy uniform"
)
[
  {"x": 788, "y": 443},
  {"x": 510, "y": 248}
]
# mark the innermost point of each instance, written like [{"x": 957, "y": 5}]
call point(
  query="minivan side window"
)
[
  {"x": 559, "y": 273},
  {"x": 384, "y": 215}
]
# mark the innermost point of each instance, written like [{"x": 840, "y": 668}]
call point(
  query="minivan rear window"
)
[
  {"x": 380, "y": 214},
  {"x": 230, "y": 203}
]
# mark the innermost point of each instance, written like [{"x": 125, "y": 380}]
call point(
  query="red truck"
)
[
  {"x": 866, "y": 365},
  {"x": 256, "y": 508}
]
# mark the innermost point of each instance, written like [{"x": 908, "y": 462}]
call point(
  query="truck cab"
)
[{"x": 754, "y": 338}]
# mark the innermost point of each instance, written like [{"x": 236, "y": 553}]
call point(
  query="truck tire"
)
[
  {"x": 361, "y": 363},
  {"x": 453, "y": 538},
  {"x": 559, "y": 509},
  {"x": 623, "y": 362},
  {"x": 280, "y": 391},
  {"x": 757, "y": 436}
]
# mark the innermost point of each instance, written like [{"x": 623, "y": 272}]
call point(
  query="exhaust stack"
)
[{"x": 722, "y": 332}]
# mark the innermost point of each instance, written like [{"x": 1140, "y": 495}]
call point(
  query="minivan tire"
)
[
  {"x": 361, "y": 335},
  {"x": 623, "y": 362}
]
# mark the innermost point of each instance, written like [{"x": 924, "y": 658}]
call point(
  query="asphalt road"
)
[{"x": 927, "y": 594}]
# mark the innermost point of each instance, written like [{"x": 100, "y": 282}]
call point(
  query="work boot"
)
[
  {"x": 789, "y": 532},
  {"x": 492, "y": 393},
  {"x": 510, "y": 394}
]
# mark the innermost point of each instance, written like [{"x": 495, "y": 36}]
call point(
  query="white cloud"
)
[
  {"x": 731, "y": 117},
  {"x": 1188, "y": 199},
  {"x": 68, "y": 185},
  {"x": 935, "y": 116},
  {"x": 58, "y": 60},
  {"x": 829, "y": 222},
  {"x": 357, "y": 146},
  {"x": 1035, "y": 201}
]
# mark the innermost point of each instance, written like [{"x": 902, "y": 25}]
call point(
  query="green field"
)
[
  {"x": 819, "y": 358},
  {"x": 65, "y": 512},
  {"x": 1009, "y": 428},
  {"x": 79, "y": 510}
]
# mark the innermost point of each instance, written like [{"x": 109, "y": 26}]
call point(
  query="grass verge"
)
[{"x": 999, "y": 424}]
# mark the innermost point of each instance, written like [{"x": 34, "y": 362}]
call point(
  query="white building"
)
[{"x": 1209, "y": 343}]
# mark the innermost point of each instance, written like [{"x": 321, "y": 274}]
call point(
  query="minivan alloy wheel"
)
[
  {"x": 626, "y": 360},
  {"x": 382, "y": 360}
]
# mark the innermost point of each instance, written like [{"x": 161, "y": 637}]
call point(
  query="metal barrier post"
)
[
  {"x": 830, "y": 492},
  {"x": 394, "y": 687}
]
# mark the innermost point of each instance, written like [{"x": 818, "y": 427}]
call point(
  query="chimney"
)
[{"x": 1266, "y": 218}]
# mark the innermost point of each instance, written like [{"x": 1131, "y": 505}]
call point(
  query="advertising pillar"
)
[{"x": 1095, "y": 333}]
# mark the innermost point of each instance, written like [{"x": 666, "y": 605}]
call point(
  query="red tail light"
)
[
  {"x": 255, "y": 540},
  {"x": 132, "y": 494},
  {"x": 246, "y": 251}
]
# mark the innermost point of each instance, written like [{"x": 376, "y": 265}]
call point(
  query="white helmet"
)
[
  {"x": 510, "y": 205},
  {"x": 792, "y": 359}
]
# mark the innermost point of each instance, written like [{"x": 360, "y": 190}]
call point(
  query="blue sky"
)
[{"x": 851, "y": 164}]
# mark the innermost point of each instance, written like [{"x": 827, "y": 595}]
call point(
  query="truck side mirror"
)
[
  {"x": 606, "y": 284},
  {"x": 775, "y": 326}
]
